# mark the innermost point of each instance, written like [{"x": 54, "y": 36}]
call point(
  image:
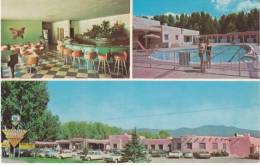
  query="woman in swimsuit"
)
[
  {"x": 201, "y": 52},
  {"x": 208, "y": 54}
]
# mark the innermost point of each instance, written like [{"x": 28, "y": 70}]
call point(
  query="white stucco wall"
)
[{"x": 60, "y": 24}]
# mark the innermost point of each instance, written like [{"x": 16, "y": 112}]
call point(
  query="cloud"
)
[
  {"x": 246, "y": 5},
  {"x": 221, "y": 5}
]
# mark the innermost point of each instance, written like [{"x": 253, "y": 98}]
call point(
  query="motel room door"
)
[{"x": 60, "y": 33}]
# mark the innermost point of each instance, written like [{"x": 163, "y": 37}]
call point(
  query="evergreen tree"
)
[{"x": 134, "y": 150}]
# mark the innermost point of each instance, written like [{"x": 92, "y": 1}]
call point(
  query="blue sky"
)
[
  {"x": 159, "y": 105},
  {"x": 215, "y": 7}
]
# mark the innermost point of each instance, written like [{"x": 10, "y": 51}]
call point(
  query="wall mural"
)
[{"x": 17, "y": 33}]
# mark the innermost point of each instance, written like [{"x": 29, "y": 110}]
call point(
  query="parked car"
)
[
  {"x": 202, "y": 155},
  {"x": 42, "y": 152},
  {"x": 65, "y": 154},
  {"x": 188, "y": 155},
  {"x": 114, "y": 158},
  {"x": 174, "y": 154},
  {"x": 94, "y": 155},
  {"x": 51, "y": 153},
  {"x": 157, "y": 153}
]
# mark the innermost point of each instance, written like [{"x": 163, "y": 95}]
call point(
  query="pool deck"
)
[{"x": 144, "y": 67}]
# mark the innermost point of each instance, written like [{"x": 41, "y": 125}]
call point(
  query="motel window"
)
[
  {"x": 176, "y": 37},
  {"x": 202, "y": 145},
  {"x": 160, "y": 147},
  {"x": 115, "y": 146},
  {"x": 166, "y": 37},
  {"x": 178, "y": 146},
  {"x": 153, "y": 147},
  {"x": 224, "y": 146},
  {"x": 189, "y": 145},
  {"x": 214, "y": 145}
]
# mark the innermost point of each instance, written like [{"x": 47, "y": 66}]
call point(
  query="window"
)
[
  {"x": 153, "y": 147},
  {"x": 202, "y": 145},
  {"x": 176, "y": 37},
  {"x": 189, "y": 145},
  {"x": 214, "y": 145},
  {"x": 160, "y": 147},
  {"x": 146, "y": 146},
  {"x": 224, "y": 146},
  {"x": 166, "y": 37},
  {"x": 115, "y": 146},
  {"x": 179, "y": 146}
]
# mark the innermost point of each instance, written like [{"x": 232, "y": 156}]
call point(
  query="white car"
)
[
  {"x": 65, "y": 154},
  {"x": 94, "y": 155},
  {"x": 114, "y": 158},
  {"x": 175, "y": 154}
]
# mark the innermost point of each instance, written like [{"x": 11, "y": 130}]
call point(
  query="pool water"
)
[{"x": 220, "y": 54}]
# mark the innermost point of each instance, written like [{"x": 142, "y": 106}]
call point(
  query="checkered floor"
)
[{"x": 52, "y": 66}]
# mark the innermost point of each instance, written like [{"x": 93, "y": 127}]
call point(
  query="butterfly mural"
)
[{"x": 17, "y": 33}]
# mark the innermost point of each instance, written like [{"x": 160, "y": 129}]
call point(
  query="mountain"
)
[{"x": 208, "y": 130}]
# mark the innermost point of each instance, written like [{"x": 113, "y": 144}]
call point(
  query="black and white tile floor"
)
[{"x": 52, "y": 66}]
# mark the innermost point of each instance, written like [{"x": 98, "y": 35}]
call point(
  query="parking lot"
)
[{"x": 211, "y": 160}]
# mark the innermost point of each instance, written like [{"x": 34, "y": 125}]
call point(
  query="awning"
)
[{"x": 152, "y": 36}]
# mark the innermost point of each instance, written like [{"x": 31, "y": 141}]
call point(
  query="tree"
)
[
  {"x": 28, "y": 99},
  {"x": 163, "y": 134},
  {"x": 206, "y": 24},
  {"x": 94, "y": 130},
  {"x": 134, "y": 150}
]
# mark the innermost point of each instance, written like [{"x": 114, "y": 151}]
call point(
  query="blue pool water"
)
[{"x": 220, "y": 54}]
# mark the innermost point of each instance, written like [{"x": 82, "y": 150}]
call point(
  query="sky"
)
[
  {"x": 157, "y": 105},
  {"x": 215, "y": 7}
]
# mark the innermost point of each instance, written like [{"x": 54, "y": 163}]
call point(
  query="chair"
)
[
  {"x": 67, "y": 53},
  {"x": 103, "y": 61},
  {"x": 120, "y": 62},
  {"x": 89, "y": 60},
  {"x": 31, "y": 61}
]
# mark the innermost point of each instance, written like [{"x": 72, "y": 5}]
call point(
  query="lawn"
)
[{"x": 53, "y": 160}]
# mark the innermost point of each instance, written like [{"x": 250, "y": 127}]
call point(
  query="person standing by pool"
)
[
  {"x": 208, "y": 54},
  {"x": 201, "y": 52}
]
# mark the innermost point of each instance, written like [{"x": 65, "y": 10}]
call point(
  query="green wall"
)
[{"x": 33, "y": 31}]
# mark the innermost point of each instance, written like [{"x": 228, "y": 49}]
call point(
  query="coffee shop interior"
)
[{"x": 65, "y": 39}]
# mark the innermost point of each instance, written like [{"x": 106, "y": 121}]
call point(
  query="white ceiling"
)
[{"x": 56, "y": 10}]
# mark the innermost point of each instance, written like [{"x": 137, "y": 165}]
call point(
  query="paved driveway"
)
[{"x": 211, "y": 160}]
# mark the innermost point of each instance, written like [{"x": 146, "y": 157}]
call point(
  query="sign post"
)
[{"x": 14, "y": 136}]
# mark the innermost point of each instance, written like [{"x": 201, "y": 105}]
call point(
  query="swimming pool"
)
[{"x": 220, "y": 54}]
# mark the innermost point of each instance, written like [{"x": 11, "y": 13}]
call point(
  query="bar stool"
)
[
  {"x": 103, "y": 61},
  {"x": 60, "y": 49},
  {"x": 89, "y": 60},
  {"x": 67, "y": 53},
  {"x": 120, "y": 62},
  {"x": 76, "y": 56}
]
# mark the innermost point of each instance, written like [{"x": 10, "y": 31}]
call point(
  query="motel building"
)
[
  {"x": 237, "y": 146},
  {"x": 201, "y": 143},
  {"x": 235, "y": 37},
  {"x": 114, "y": 142},
  {"x": 244, "y": 145},
  {"x": 149, "y": 33}
]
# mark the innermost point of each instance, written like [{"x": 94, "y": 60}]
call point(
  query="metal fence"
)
[{"x": 236, "y": 65}]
